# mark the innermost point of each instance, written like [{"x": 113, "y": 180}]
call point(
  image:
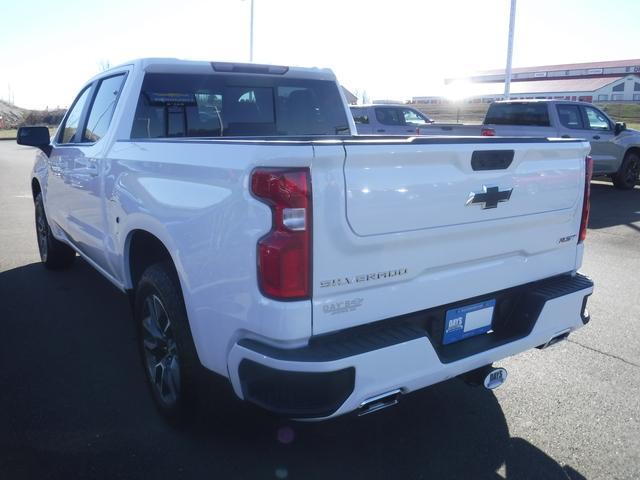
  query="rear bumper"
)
[{"x": 335, "y": 373}]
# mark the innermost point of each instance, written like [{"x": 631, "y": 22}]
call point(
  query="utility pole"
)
[
  {"x": 507, "y": 76},
  {"x": 251, "y": 35}
]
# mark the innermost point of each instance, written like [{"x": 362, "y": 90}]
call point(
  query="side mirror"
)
[
  {"x": 619, "y": 128},
  {"x": 35, "y": 137}
]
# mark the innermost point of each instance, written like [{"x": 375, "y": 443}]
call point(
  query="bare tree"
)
[
  {"x": 361, "y": 95},
  {"x": 104, "y": 65}
]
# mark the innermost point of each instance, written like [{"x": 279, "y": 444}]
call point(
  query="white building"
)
[{"x": 614, "y": 81}]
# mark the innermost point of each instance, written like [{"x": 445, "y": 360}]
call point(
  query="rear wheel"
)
[
  {"x": 173, "y": 370},
  {"x": 629, "y": 172},
  {"x": 54, "y": 254}
]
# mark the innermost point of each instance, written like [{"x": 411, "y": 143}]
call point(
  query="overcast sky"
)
[{"x": 392, "y": 49}]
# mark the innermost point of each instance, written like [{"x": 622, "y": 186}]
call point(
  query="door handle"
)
[
  {"x": 92, "y": 168},
  {"x": 381, "y": 130},
  {"x": 596, "y": 137},
  {"x": 566, "y": 136}
]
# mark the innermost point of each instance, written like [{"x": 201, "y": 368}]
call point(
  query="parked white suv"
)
[{"x": 319, "y": 271}]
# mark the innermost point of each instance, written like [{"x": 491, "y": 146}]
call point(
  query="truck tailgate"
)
[
  {"x": 405, "y": 226},
  {"x": 415, "y": 189}
]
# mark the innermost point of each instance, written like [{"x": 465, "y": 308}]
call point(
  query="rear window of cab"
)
[
  {"x": 530, "y": 114},
  {"x": 196, "y": 105}
]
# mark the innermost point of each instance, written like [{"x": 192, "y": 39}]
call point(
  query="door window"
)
[
  {"x": 104, "y": 104},
  {"x": 413, "y": 118},
  {"x": 389, "y": 116},
  {"x": 596, "y": 119},
  {"x": 570, "y": 116},
  {"x": 72, "y": 121}
]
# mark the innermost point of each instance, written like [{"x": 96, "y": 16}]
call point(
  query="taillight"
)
[
  {"x": 284, "y": 254},
  {"x": 487, "y": 132},
  {"x": 585, "y": 202}
]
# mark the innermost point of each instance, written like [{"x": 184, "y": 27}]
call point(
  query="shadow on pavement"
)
[
  {"x": 74, "y": 405},
  {"x": 611, "y": 207}
]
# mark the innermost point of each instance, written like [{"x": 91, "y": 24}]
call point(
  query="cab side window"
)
[
  {"x": 104, "y": 103},
  {"x": 411, "y": 117},
  {"x": 570, "y": 116},
  {"x": 72, "y": 122},
  {"x": 360, "y": 116},
  {"x": 389, "y": 116},
  {"x": 597, "y": 121}
]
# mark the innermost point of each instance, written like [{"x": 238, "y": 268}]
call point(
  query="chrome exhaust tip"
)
[
  {"x": 379, "y": 402},
  {"x": 556, "y": 339}
]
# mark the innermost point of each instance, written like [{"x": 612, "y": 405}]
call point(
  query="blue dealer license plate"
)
[{"x": 468, "y": 321}]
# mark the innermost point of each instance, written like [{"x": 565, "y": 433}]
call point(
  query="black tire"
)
[
  {"x": 173, "y": 371},
  {"x": 54, "y": 254},
  {"x": 627, "y": 176}
]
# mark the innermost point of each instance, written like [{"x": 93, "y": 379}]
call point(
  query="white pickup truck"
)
[{"x": 319, "y": 271}]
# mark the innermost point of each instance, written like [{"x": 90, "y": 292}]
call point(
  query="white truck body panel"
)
[{"x": 211, "y": 224}]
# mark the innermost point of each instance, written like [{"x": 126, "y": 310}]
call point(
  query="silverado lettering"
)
[{"x": 338, "y": 282}]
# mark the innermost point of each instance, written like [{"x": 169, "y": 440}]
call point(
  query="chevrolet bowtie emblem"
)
[{"x": 489, "y": 197}]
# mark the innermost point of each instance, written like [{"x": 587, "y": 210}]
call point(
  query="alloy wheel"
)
[
  {"x": 42, "y": 232},
  {"x": 160, "y": 351}
]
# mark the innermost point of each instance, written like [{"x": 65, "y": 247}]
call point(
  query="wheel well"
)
[
  {"x": 635, "y": 150},
  {"x": 145, "y": 249},
  {"x": 35, "y": 188}
]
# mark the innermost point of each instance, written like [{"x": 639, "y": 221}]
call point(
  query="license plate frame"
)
[{"x": 468, "y": 321}]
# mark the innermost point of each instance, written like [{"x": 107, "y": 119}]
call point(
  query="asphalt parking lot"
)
[{"x": 73, "y": 403}]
